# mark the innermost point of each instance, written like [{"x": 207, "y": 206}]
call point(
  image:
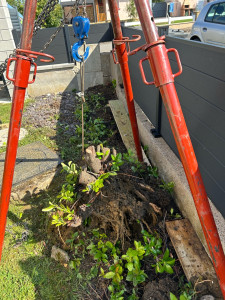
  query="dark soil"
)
[
  {"x": 125, "y": 198},
  {"x": 57, "y": 113}
]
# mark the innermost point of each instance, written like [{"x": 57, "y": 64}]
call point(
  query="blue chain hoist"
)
[{"x": 81, "y": 26}]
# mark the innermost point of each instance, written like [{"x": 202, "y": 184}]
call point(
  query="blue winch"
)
[{"x": 81, "y": 28}]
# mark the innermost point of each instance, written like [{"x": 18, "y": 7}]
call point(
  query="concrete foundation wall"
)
[
  {"x": 66, "y": 77},
  {"x": 7, "y": 44}
]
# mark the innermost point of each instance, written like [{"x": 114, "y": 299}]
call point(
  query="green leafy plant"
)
[
  {"x": 153, "y": 171},
  {"x": 152, "y": 244},
  {"x": 145, "y": 148},
  {"x": 63, "y": 214},
  {"x": 116, "y": 293},
  {"x": 165, "y": 263},
  {"x": 99, "y": 251},
  {"x": 72, "y": 172},
  {"x": 101, "y": 155},
  {"x": 93, "y": 272},
  {"x": 187, "y": 291},
  {"x": 99, "y": 183},
  {"x": 133, "y": 296},
  {"x": 67, "y": 193},
  {"x": 153, "y": 247},
  {"x": 95, "y": 131},
  {"x": 133, "y": 265},
  {"x": 183, "y": 296},
  {"x": 114, "y": 83},
  {"x": 174, "y": 215},
  {"x": 116, "y": 162},
  {"x": 137, "y": 166},
  {"x": 75, "y": 263},
  {"x": 167, "y": 186},
  {"x": 131, "y": 10},
  {"x": 96, "y": 100},
  {"x": 129, "y": 157},
  {"x": 72, "y": 240}
]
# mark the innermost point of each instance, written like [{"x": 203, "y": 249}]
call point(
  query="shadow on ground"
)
[{"x": 29, "y": 236}]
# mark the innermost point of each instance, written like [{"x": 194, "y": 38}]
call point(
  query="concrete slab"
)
[
  {"x": 4, "y": 135},
  {"x": 192, "y": 256},
  {"x": 32, "y": 160}
]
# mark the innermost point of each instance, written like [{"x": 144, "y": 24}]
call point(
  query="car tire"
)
[{"x": 196, "y": 39}]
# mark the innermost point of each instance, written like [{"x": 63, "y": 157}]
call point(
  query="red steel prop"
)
[
  {"x": 121, "y": 52},
  {"x": 164, "y": 80},
  {"x": 23, "y": 61}
]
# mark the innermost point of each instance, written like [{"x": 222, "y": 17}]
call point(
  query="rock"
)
[
  {"x": 4, "y": 135},
  {"x": 59, "y": 255},
  {"x": 3, "y": 126},
  {"x": 86, "y": 178},
  {"x": 207, "y": 297}
]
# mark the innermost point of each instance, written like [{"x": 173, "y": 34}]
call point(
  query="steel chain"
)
[
  {"x": 77, "y": 7},
  {"x": 49, "y": 7},
  {"x": 52, "y": 37},
  {"x": 84, "y": 8},
  {"x": 37, "y": 25}
]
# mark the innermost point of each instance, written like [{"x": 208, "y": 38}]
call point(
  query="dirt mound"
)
[{"x": 124, "y": 200}]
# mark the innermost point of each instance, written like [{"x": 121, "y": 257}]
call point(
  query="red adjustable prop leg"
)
[
  {"x": 122, "y": 56},
  {"x": 23, "y": 62},
  {"x": 164, "y": 79}
]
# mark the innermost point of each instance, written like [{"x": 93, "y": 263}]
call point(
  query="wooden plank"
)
[
  {"x": 192, "y": 255},
  {"x": 123, "y": 123}
]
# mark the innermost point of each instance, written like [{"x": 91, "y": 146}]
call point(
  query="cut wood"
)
[
  {"x": 92, "y": 161},
  {"x": 196, "y": 263}
]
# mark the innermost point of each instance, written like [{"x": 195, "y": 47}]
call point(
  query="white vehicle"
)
[{"x": 210, "y": 24}]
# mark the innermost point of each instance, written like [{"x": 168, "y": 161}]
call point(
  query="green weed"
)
[{"x": 167, "y": 186}]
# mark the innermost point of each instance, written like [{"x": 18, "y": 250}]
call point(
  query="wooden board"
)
[
  {"x": 192, "y": 255},
  {"x": 123, "y": 123}
]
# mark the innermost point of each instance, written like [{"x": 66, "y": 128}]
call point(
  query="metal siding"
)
[
  {"x": 57, "y": 48},
  {"x": 145, "y": 96},
  {"x": 201, "y": 90},
  {"x": 200, "y": 57},
  {"x": 98, "y": 33},
  {"x": 159, "y": 9}
]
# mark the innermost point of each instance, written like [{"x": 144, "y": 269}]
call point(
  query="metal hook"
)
[
  {"x": 81, "y": 27},
  {"x": 76, "y": 47}
]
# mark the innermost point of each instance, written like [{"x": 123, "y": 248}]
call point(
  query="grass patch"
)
[
  {"x": 26, "y": 271},
  {"x": 34, "y": 134},
  {"x": 5, "y": 110},
  {"x": 182, "y": 21},
  {"x": 37, "y": 134},
  {"x": 175, "y": 22}
]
